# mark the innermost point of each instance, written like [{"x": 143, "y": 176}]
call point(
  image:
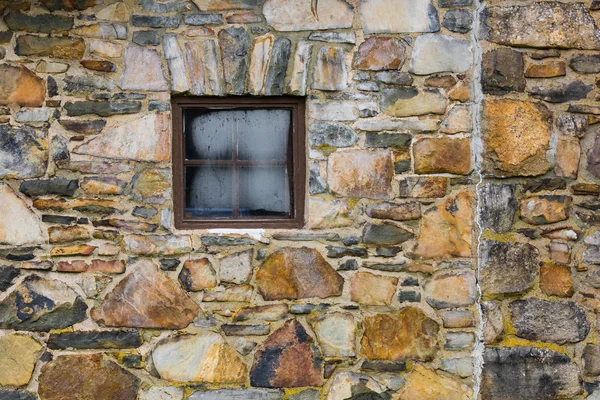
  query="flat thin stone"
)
[{"x": 235, "y": 47}]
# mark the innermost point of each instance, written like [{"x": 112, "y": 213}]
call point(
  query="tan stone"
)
[
  {"x": 459, "y": 119},
  {"x": 328, "y": 212},
  {"x": 336, "y": 333},
  {"x": 82, "y": 205},
  {"x": 18, "y": 224},
  {"x": 297, "y": 273},
  {"x": 146, "y": 298},
  {"x": 271, "y": 312},
  {"x": 18, "y": 355},
  {"x": 398, "y": 16},
  {"x": 106, "y": 49},
  {"x": 395, "y": 211},
  {"x": 425, "y": 384},
  {"x": 299, "y": 75},
  {"x": 204, "y": 358},
  {"x": 450, "y": 289},
  {"x": 260, "y": 57},
  {"x": 424, "y": 186},
  {"x": 407, "y": 102},
  {"x": 86, "y": 376},
  {"x": 151, "y": 186},
  {"x": 568, "y": 153},
  {"x": 371, "y": 289},
  {"x": 148, "y": 245},
  {"x": 65, "y": 234},
  {"x": 556, "y": 280},
  {"x": 330, "y": 73},
  {"x": 361, "y": 173},
  {"x": 102, "y": 185},
  {"x": 143, "y": 70},
  {"x": 20, "y": 86},
  {"x": 516, "y": 138},
  {"x": 198, "y": 275},
  {"x": 549, "y": 69},
  {"x": 408, "y": 334},
  {"x": 292, "y": 15},
  {"x": 117, "y": 12},
  {"x": 108, "y": 267},
  {"x": 442, "y": 155},
  {"x": 146, "y": 138},
  {"x": 446, "y": 229},
  {"x": 545, "y": 209},
  {"x": 239, "y": 293},
  {"x": 461, "y": 92},
  {"x": 380, "y": 53}
]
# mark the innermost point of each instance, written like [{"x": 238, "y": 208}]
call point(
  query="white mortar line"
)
[{"x": 477, "y": 148}]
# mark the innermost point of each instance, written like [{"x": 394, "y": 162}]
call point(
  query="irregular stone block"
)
[
  {"x": 143, "y": 70},
  {"x": 156, "y": 21},
  {"x": 337, "y": 135},
  {"x": 19, "y": 85},
  {"x": 174, "y": 57},
  {"x": 259, "y": 63},
  {"x": 95, "y": 340},
  {"x": 508, "y": 267},
  {"x": 585, "y": 64},
  {"x": 503, "y": 71},
  {"x": 43, "y": 23},
  {"x": 523, "y": 372},
  {"x": 556, "y": 280},
  {"x": 102, "y": 108},
  {"x": 422, "y": 187},
  {"x": 272, "y": 312},
  {"x": 575, "y": 90},
  {"x": 370, "y": 289},
  {"x": 424, "y": 384},
  {"x": 460, "y": 21},
  {"x": 274, "y": 82},
  {"x": 395, "y": 211},
  {"x": 299, "y": 74},
  {"x": 549, "y": 321},
  {"x": 385, "y": 234},
  {"x": 236, "y": 268},
  {"x": 58, "y": 47},
  {"x": 69, "y": 5},
  {"x": 545, "y": 209},
  {"x": 290, "y": 15},
  {"x": 398, "y": 16},
  {"x": 330, "y": 71},
  {"x": 219, "y": 5},
  {"x": 409, "y": 101},
  {"x": 237, "y": 394},
  {"x": 235, "y": 46},
  {"x": 380, "y": 53},
  {"x": 439, "y": 53},
  {"x": 197, "y": 275},
  {"x": 450, "y": 290},
  {"x": 346, "y": 385},
  {"x": 361, "y": 173},
  {"x": 541, "y": 24},
  {"x": 549, "y": 69},
  {"x": 442, "y": 155},
  {"x": 146, "y": 298},
  {"x": 18, "y": 356},
  {"x": 498, "y": 206},
  {"x": 18, "y": 224},
  {"x": 336, "y": 334},
  {"x": 401, "y": 335}
]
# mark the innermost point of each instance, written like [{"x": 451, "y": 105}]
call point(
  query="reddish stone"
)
[
  {"x": 109, "y": 267},
  {"x": 407, "y": 334},
  {"x": 442, "y": 155},
  {"x": 19, "y": 85},
  {"x": 379, "y": 53},
  {"x": 298, "y": 273},
  {"x": 146, "y": 299},
  {"x": 99, "y": 65},
  {"x": 72, "y": 251},
  {"x": 86, "y": 376},
  {"x": 361, "y": 173},
  {"x": 197, "y": 275},
  {"x": 556, "y": 280},
  {"x": 288, "y": 358}
]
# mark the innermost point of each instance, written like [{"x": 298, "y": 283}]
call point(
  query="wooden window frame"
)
[{"x": 296, "y": 157}]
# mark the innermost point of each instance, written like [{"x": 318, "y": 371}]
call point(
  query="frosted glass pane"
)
[
  {"x": 264, "y": 191},
  {"x": 264, "y": 135},
  {"x": 209, "y": 191},
  {"x": 209, "y": 134}
]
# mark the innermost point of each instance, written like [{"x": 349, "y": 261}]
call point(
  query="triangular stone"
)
[{"x": 18, "y": 224}]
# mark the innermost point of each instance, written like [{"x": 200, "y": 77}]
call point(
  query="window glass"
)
[
  {"x": 264, "y": 135},
  {"x": 209, "y": 192},
  {"x": 264, "y": 191}
]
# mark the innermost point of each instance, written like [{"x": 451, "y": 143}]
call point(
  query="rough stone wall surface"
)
[{"x": 451, "y": 247}]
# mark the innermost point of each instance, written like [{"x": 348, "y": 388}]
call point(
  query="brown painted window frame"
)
[{"x": 296, "y": 157}]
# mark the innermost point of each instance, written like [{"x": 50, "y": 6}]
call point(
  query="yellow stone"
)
[
  {"x": 424, "y": 384},
  {"x": 18, "y": 355}
]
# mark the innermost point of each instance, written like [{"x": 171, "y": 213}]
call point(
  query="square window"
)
[{"x": 239, "y": 162}]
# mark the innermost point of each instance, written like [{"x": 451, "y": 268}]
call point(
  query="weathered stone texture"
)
[{"x": 361, "y": 173}]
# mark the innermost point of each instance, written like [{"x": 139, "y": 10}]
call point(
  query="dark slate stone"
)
[
  {"x": 56, "y": 186},
  {"x": 306, "y": 237},
  {"x": 591, "y": 360},
  {"x": 147, "y": 38},
  {"x": 7, "y": 276},
  {"x": 19, "y": 152},
  {"x": 235, "y": 47},
  {"x": 59, "y": 148},
  {"x": 155, "y": 105},
  {"x": 129, "y": 96},
  {"x": 316, "y": 184},
  {"x": 280, "y": 56},
  {"x": 337, "y": 135},
  {"x": 102, "y": 108},
  {"x": 6, "y": 37},
  {"x": 52, "y": 87},
  {"x": 69, "y": 5},
  {"x": 503, "y": 71},
  {"x": 409, "y": 296},
  {"x": 394, "y": 78},
  {"x": 20, "y": 256},
  {"x": 528, "y": 373},
  {"x": 237, "y": 394},
  {"x": 156, "y": 21},
  {"x": 133, "y": 361},
  {"x": 384, "y": 267},
  {"x": 574, "y": 90},
  {"x": 549, "y": 321},
  {"x": 498, "y": 206},
  {"x": 387, "y": 251},
  {"x": 245, "y": 330},
  {"x": 549, "y": 184},
  {"x": 164, "y": 7},
  {"x": 339, "y": 252},
  {"x": 572, "y": 125},
  {"x": 58, "y": 219},
  {"x": 169, "y": 264},
  {"x": 13, "y": 394},
  {"x": 203, "y": 19},
  {"x": 348, "y": 265},
  {"x": 33, "y": 306},
  {"x": 95, "y": 340},
  {"x": 454, "y": 3},
  {"x": 144, "y": 212},
  {"x": 398, "y": 140},
  {"x": 459, "y": 20},
  {"x": 508, "y": 267},
  {"x": 586, "y": 64},
  {"x": 300, "y": 309},
  {"x": 383, "y": 366},
  {"x": 385, "y": 234},
  {"x": 226, "y": 241},
  {"x": 410, "y": 281},
  {"x": 350, "y": 240},
  {"x": 42, "y": 23}
]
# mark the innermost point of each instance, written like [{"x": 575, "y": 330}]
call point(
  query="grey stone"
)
[
  {"x": 548, "y": 24},
  {"x": 33, "y": 115},
  {"x": 440, "y": 53},
  {"x": 155, "y": 105},
  {"x": 339, "y": 252},
  {"x": 226, "y": 241},
  {"x": 53, "y": 186},
  {"x": 528, "y": 373},
  {"x": 503, "y": 71},
  {"x": 333, "y": 37},
  {"x": 146, "y": 38},
  {"x": 309, "y": 394},
  {"x": 385, "y": 234},
  {"x": 348, "y": 265},
  {"x": 177, "y": 70},
  {"x": 586, "y": 64},
  {"x": 498, "y": 206},
  {"x": 95, "y": 340},
  {"x": 459, "y": 20},
  {"x": 591, "y": 360},
  {"x": 89, "y": 127},
  {"x": 454, "y": 3},
  {"x": 396, "y": 267},
  {"x": 144, "y": 212},
  {"x": 280, "y": 56},
  {"x": 459, "y": 340},
  {"x": 398, "y": 16},
  {"x": 42, "y": 23},
  {"x": 410, "y": 296},
  {"x": 52, "y": 87},
  {"x": 23, "y": 152},
  {"x": 237, "y": 394},
  {"x": 572, "y": 125},
  {"x": 300, "y": 309},
  {"x": 337, "y": 135},
  {"x": 13, "y": 394},
  {"x": 306, "y": 237},
  {"x": 7, "y": 277},
  {"x": 246, "y": 330},
  {"x": 316, "y": 183},
  {"x": 593, "y": 157},
  {"x": 164, "y": 7},
  {"x": 235, "y": 47},
  {"x": 397, "y": 140},
  {"x": 574, "y": 90},
  {"x": 394, "y": 78},
  {"x": 169, "y": 264},
  {"x": 156, "y": 21},
  {"x": 203, "y": 19},
  {"x": 508, "y": 267},
  {"x": 549, "y": 321},
  {"x": 102, "y": 108},
  {"x": 87, "y": 83}
]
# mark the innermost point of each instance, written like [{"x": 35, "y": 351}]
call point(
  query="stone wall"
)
[{"x": 451, "y": 239}]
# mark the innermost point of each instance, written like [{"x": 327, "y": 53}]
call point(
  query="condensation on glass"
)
[{"x": 238, "y": 162}]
